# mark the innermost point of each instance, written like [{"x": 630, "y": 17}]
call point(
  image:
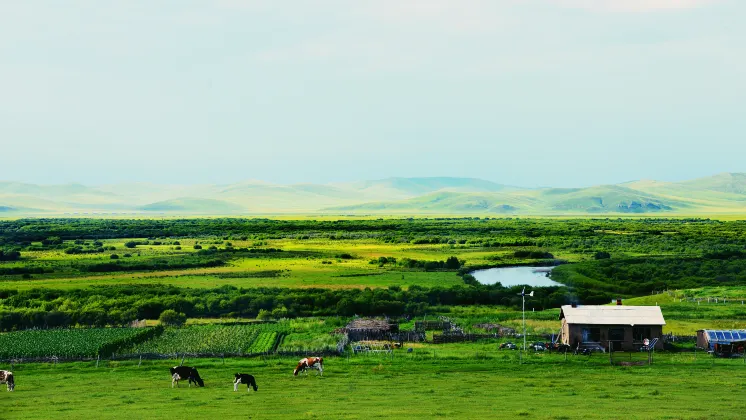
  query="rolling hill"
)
[{"x": 722, "y": 193}]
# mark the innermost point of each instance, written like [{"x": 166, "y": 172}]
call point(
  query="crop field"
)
[
  {"x": 66, "y": 343},
  {"x": 207, "y": 339},
  {"x": 409, "y": 386}
]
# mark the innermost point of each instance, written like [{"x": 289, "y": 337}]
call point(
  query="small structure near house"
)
[
  {"x": 623, "y": 327},
  {"x": 366, "y": 329},
  {"x": 722, "y": 342}
]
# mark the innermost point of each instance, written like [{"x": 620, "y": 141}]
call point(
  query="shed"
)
[
  {"x": 624, "y": 327},
  {"x": 370, "y": 329},
  {"x": 722, "y": 341}
]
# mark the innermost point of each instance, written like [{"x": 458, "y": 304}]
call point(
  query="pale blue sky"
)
[{"x": 524, "y": 92}]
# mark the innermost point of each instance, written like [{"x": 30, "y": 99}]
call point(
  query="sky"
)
[{"x": 521, "y": 92}]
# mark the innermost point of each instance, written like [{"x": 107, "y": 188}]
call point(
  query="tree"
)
[
  {"x": 172, "y": 318},
  {"x": 602, "y": 255},
  {"x": 452, "y": 263},
  {"x": 9, "y": 255}
]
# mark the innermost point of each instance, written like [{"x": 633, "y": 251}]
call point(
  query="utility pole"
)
[{"x": 523, "y": 297}]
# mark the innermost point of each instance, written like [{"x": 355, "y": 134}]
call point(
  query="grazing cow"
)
[
  {"x": 6, "y": 377},
  {"x": 243, "y": 378},
  {"x": 310, "y": 363},
  {"x": 185, "y": 372}
]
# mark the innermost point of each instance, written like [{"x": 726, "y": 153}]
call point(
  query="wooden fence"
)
[{"x": 459, "y": 338}]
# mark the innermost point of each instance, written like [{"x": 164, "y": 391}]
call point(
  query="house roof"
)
[{"x": 613, "y": 315}]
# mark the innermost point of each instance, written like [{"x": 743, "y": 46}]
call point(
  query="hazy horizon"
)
[
  {"x": 530, "y": 93},
  {"x": 261, "y": 181}
]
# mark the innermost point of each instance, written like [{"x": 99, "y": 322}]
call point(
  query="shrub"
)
[
  {"x": 198, "y": 247},
  {"x": 114, "y": 256},
  {"x": 172, "y": 318}
]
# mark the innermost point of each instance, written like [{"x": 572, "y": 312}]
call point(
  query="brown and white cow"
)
[
  {"x": 310, "y": 363},
  {"x": 6, "y": 377}
]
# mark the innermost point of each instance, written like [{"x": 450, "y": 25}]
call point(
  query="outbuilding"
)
[
  {"x": 623, "y": 327},
  {"x": 725, "y": 342}
]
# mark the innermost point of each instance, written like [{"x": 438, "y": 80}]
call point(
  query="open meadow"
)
[{"x": 409, "y": 386}]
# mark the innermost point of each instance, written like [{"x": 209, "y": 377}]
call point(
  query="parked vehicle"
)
[
  {"x": 508, "y": 346},
  {"x": 539, "y": 346}
]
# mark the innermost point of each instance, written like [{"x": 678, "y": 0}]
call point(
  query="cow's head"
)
[{"x": 237, "y": 376}]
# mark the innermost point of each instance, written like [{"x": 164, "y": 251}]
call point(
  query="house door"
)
[{"x": 616, "y": 336}]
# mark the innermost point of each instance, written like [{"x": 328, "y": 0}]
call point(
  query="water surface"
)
[{"x": 514, "y": 276}]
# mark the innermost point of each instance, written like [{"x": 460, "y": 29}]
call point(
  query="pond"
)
[{"x": 514, "y": 276}]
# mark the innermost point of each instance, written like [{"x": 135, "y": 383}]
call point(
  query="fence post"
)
[
  {"x": 611, "y": 350},
  {"x": 140, "y": 362},
  {"x": 98, "y": 359}
]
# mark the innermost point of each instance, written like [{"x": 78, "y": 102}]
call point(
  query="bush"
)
[
  {"x": 9, "y": 255},
  {"x": 172, "y": 318},
  {"x": 198, "y": 247},
  {"x": 114, "y": 256},
  {"x": 602, "y": 255}
]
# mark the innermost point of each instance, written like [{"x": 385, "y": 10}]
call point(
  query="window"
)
[
  {"x": 641, "y": 333},
  {"x": 591, "y": 335}
]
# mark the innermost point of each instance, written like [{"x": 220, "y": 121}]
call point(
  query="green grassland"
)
[
  {"x": 304, "y": 263},
  {"x": 449, "y": 384}
]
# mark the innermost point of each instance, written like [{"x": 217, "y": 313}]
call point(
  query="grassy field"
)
[
  {"x": 408, "y": 386},
  {"x": 321, "y": 268}
]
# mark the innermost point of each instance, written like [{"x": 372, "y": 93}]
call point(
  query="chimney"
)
[
  {"x": 618, "y": 302},
  {"x": 574, "y": 305}
]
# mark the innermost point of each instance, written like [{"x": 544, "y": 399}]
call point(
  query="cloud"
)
[{"x": 634, "y": 6}]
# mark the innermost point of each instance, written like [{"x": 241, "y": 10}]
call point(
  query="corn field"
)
[
  {"x": 213, "y": 339},
  {"x": 68, "y": 343}
]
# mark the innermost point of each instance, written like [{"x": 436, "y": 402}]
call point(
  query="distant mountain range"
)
[{"x": 722, "y": 193}]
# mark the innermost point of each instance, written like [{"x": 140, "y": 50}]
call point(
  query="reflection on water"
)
[{"x": 513, "y": 276}]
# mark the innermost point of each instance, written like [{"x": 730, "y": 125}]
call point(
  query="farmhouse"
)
[
  {"x": 722, "y": 341},
  {"x": 622, "y": 327}
]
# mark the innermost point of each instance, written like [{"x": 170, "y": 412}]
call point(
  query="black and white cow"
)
[
  {"x": 185, "y": 372},
  {"x": 6, "y": 377},
  {"x": 243, "y": 378}
]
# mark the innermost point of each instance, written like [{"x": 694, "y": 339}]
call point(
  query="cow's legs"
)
[
  {"x": 235, "y": 385},
  {"x": 174, "y": 380}
]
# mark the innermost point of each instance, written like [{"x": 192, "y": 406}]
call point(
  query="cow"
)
[
  {"x": 6, "y": 377},
  {"x": 243, "y": 378},
  {"x": 310, "y": 363},
  {"x": 185, "y": 372}
]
